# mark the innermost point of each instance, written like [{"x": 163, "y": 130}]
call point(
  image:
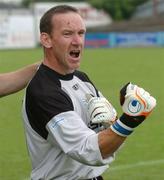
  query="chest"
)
[{"x": 77, "y": 89}]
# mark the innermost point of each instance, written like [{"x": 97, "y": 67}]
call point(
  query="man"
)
[
  {"x": 15, "y": 81},
  {"x": 65, "y": 116}
]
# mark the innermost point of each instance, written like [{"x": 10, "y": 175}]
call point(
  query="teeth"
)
[
  {"x": 76, "y": 50},
  {"x": 75, "y": 53}
]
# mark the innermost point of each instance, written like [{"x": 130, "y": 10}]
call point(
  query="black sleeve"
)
[{"x": 43, "y": 105}]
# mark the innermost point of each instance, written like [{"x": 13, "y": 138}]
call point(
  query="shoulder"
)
[
  {"x": 45, "y": 87},
  {"x": 82, "y": 75},
  {"x": 85, "y": 78},
  {"x": 44, "y": 80}
]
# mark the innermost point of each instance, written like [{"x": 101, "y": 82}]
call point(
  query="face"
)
[{"x": 66, "y": 42}]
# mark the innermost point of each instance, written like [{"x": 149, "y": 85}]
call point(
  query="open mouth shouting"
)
[{"x": 75, "y": 54}]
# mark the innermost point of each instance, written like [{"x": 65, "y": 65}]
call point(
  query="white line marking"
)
[
  {"x": 129, "y": 166},
  {"x": 141, "y": 163}
]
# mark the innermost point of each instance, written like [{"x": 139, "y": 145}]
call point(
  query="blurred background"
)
[{"x": 110, "y": 23}]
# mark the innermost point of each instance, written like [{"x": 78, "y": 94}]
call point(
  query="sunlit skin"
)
[
  {"x": 64, "y": 46},
  {"x": 15, "y": 81}
]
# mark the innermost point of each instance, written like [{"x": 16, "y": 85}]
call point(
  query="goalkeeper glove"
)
[
  {"x": 136, "y": 104},
  {"x": 100, "y": 110}
]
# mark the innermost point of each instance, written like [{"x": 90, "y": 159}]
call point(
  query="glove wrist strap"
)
[
  {"x": 121, "y": 129},
  {"x": 131, "y": 121}
]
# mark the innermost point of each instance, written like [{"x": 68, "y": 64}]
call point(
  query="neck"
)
[{"x": 56, "y": 67}]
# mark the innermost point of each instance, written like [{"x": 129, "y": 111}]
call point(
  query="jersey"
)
[{"x": 61, "y": 140}]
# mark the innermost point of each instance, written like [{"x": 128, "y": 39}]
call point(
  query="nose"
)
[{"x": 77, "y": 40}]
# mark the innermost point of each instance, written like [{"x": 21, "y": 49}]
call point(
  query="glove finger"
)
[
  {"x": 132, "y": 89},
  {"x": 103, "y": 117},
  {"x": 95, "y": 102},
  {"x": 98, "y": 110},
  {"x": 151, "y": 103}
]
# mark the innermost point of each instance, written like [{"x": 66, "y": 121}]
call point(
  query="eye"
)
[
  {"x": 82, "y": 33},
  {"x": 67, "y": 33}
]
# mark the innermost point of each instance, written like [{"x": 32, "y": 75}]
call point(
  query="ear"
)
[{"x": 45, "y": 40}]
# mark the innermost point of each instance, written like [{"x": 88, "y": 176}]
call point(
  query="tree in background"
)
[
  {"x": 26, "y": 3},
  {"x": 117, "y": 9}
]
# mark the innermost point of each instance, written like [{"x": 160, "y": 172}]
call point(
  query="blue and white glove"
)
[
  {"x": 136, "y": 104},
  {"x": 100, "y": 110}
]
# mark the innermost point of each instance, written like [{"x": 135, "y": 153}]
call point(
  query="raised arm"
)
[
  {"x": 15, "y": 81},
  {"x": 136, "y": 103}
]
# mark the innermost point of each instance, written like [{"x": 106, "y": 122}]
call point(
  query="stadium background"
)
[{"x": 128, "y": 50}]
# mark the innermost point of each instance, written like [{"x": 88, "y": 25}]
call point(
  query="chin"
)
[{"x": 75, "y": 65}]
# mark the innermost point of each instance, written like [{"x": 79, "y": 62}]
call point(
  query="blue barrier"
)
[
  {"x": 138, "y": 39},
  {"x": 96, "y": 40}
]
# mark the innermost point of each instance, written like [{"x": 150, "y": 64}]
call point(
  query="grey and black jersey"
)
[{"x": 61, "y": 140}]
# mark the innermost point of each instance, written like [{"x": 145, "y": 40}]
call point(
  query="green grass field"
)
[{"x": 141, "y": 157}]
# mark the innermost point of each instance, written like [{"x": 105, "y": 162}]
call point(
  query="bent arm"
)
[
  {"x": 74, "y": 138},
  {"x": 14, "y": 81},
  {"x": 109, "y": 142}
]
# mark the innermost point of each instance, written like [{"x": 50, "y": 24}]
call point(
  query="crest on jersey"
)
[{"x": 75, "y": 86}]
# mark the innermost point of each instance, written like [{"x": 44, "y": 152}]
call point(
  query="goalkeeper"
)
[{"x": 72, "y": 131}]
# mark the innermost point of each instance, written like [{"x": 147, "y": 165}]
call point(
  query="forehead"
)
[{"x": 68, "y": 20}]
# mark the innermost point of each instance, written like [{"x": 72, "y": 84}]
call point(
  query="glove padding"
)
[
  {"x": 137, "y": 105},
  {"x": 135, "y": 101},
  {"x": 100, "y": 110}
]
